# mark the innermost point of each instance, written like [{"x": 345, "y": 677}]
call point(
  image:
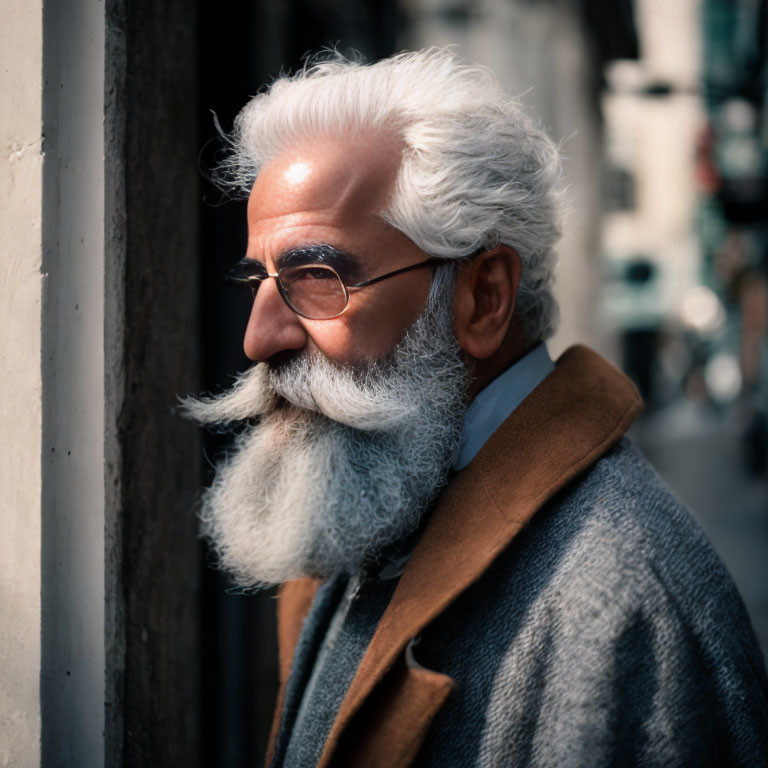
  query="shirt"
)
[{"x": 493, "y": 405}]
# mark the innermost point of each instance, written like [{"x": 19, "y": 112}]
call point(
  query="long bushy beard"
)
[{"x": 333, "y": 464}]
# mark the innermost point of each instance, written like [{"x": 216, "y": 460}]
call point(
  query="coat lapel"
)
[{"x": 574, "y": 416}]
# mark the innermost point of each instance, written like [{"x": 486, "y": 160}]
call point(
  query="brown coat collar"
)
[{"x": 573, "y": 417}]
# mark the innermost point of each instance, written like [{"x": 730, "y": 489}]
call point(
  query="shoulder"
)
[
  {"x": 608, "y": 632},
  {"x": 616, "y": 541},
  {"x": 618, "y": 519},
  {"x": 614, "y": 544}
]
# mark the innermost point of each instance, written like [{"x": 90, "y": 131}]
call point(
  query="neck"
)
[{"x": 485, "y": 370}]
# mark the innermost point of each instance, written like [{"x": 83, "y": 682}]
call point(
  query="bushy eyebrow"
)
[{"x": 346, "y": 264}]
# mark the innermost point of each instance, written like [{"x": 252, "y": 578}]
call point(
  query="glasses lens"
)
[
  {"x": 314, "y": 291},
  {"x": 247, "y": 274}
]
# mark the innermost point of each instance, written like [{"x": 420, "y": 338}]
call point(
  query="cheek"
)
[{"x": 375, "y": 322}]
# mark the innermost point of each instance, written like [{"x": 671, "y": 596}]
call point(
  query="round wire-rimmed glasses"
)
[{"x": 313, "y": 291}]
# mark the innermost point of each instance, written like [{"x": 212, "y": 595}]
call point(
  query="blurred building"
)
[
  {"x": 733, "y": 181},
  {"x": 653, "y": 115}
]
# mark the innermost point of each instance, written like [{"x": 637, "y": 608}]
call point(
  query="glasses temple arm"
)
[
  {"x": 432, "y": 262},
  {"x": 245, "y": 279},
  {"x": 427, "y": 263}
]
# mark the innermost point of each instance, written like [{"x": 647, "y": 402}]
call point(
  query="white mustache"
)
[
  {"x": 366, "y": 401},
  {"x": 249, "y": 396}
]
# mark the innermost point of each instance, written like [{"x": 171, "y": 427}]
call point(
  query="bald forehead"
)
[{"x": 348, "y": 177}]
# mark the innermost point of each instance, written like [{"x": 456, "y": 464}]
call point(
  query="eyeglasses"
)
[{"x": 314, "y": 291}]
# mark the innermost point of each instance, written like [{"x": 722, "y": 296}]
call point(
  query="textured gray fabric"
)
[
  {"x": 316, "y": 691},
  {"x": 356, "y": 616},
  {"x": 312, "y": 633},
  {"x": 608, "y": 633}
]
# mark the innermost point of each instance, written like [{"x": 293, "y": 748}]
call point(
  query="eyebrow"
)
[{"x": 345, "y": 263}]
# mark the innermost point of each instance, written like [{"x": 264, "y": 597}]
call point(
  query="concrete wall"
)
[
  {"x": 99, "y": 558},
  {"x": 20, "y": 385},
  {"x": 51, "y": 393},
  {"x": 73, "y": 565}
]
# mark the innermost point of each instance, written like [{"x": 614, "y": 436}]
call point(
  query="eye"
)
[{"x": 317, "y": 273}]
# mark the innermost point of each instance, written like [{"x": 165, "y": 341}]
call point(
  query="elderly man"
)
[{"x": 477, "y": 567}]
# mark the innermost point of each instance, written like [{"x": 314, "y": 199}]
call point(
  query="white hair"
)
[{"x": 475, "y": 172}]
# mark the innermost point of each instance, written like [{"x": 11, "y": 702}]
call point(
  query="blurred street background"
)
[
  {"x": 684, "y": 259},
  {"x": 660, "y": 111}
]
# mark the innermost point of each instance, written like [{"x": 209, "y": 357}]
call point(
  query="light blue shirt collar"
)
[{"x": 495, "y": 403}]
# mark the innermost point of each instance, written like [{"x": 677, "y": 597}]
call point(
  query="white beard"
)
[{"x": 340, "y": 462}]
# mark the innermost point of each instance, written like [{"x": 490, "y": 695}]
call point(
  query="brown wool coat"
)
[{"x": 571, "y": 419}]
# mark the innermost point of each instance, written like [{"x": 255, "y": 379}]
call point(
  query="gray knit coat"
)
[{"x": 607, "y": 634}]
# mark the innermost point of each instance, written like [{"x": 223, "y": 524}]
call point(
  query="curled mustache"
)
[{"x": 363, "y": 398}]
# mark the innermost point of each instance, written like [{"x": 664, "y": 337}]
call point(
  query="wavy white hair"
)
[{"x": 475, "y": 171}]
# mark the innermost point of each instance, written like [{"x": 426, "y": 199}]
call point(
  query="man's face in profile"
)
[
  {"x": 332, "y": 192},
  {"x": 352, "y": 421}
]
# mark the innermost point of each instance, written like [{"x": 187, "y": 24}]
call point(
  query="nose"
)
[{"x": 272, "y": 327}]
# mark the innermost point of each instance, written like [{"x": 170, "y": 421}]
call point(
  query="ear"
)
[{"x": 486, "y": 289}]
